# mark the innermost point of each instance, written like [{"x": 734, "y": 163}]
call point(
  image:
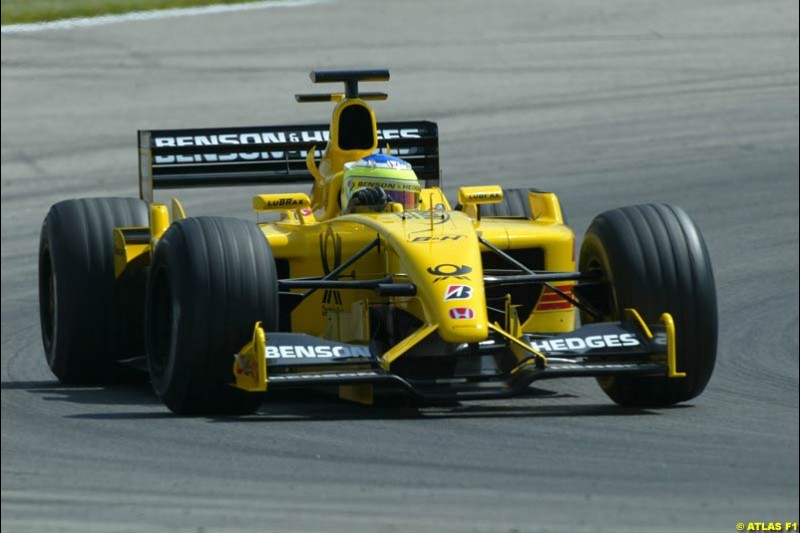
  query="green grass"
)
[{"x": 19, "y": 11}]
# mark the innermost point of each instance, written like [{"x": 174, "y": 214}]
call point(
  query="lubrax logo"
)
[
  {"x": 284, "y": 202},
  {"x": 316, "y": 352},
  {"x": 612, "y": 340},
  {"x": 484, "y": 195}
]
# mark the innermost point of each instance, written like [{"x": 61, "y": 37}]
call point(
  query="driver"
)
[{"x": 371, "y": 183}]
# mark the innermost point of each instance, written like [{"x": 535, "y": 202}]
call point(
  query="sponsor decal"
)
[
  {"x": 231, "y": 158},
  {"x": 439, "y": 217},
  {"x": 660, "y": 338},
  {"x": 284, "y": 202},
  {"x": 332, "y": 297},
  {"x": 552, "y": 301},
  {"x": 449, "y": 270},
  {"x": 246, "y": 365},
  {"x": 326, "y": 375},
  {"x": 262, "y": 138},
  {"x": 227, "y": 139},
  {"x": 388, "y": 134},
  {"x": 293, "y": 155},
  {"x": 484, "y": 195},
  {"x": 360, "y": 183},
  {"x": 612, "y": 340},
  {"x": 462, "y": 313},
  {"x": 457, "y": 292},
  {"x": 330, "y": 250},
  {"x": 316, "y": 352},
  {"x": 237, "y": 139},
  {"x": 438, "y": 238},
  {"x": 601, "y": 366}
]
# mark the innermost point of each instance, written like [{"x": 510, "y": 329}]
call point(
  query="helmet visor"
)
[
  {"x": 402, "y": 191},
  {"x": 408, "y": 199}
]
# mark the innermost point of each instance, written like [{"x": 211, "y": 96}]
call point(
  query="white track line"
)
[{"x": 136, "y": 16}]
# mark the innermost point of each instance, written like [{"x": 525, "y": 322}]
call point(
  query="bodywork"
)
[{"x": 439, "y": 301}]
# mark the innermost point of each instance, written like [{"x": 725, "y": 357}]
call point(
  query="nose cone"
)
[
  {"x": 457, "y": 299},
  {"x": 445, "y": 265}
]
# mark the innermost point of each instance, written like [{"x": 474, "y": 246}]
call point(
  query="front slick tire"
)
[
  {"x": 211, "y": 280},
  {"x": 655, "y": 261}
]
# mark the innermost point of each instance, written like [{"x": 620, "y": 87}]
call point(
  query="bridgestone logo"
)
[
  {"x": 582, "y": 343},
  {"x": 457, "y": 292},
  {"x": 316, "y": 352}
]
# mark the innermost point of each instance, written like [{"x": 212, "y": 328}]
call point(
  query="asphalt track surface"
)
[{"x": 607, "y": 103}]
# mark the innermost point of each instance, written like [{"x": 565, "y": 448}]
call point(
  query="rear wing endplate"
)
[{"x": 221, "y": 157}]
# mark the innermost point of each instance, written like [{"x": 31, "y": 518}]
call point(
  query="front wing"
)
[{"x": 500, "y": 369}]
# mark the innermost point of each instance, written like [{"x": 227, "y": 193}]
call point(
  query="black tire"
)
[
  {"x": 656, "y": 261},
  {"x": 515, "y": 204},
  {"x": 90, "y": 320},
  {"x": 211, "y": 280}
]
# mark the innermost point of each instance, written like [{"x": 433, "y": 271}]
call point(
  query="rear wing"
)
[{"x": 221, "y": 157}]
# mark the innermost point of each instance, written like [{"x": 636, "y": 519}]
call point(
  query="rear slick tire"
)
[
  {"x": 89, "y": 319},
  {"x": 655, "y": 261},
  {"x": 515, "y": 204},
  {"x": 211, "y": 280}
]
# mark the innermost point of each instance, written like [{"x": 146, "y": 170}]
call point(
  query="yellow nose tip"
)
[{"x": 473, "y": 332}]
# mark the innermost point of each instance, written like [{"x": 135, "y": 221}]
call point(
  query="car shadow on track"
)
[
  {"x": 324, "y": 405},
  {"x": 53, "y": 391},
  {"x": 357, "y": 412}
]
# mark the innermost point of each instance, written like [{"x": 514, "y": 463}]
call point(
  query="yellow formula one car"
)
[{"x": 372, "y": 280}]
